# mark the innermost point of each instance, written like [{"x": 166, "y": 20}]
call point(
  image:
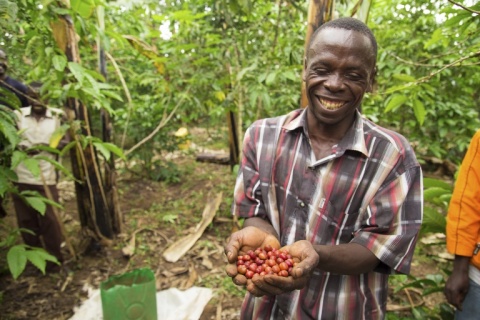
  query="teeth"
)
[{"x": 330, "y": 105}]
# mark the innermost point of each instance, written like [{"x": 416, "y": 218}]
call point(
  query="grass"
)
[{"x": 223, "y": 285}]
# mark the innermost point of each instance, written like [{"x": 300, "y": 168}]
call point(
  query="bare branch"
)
[
  {"x": 431, "y": 75},
  {"x": 127, "y": 93},
  {"x": 409, "y": 61},
  {"x": 162, "y": 123},
  {"x": 463, "y": 7},
  {"x": 426, "y": 78}
]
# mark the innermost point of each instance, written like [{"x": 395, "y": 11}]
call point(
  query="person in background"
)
[
  {"x": 38, "y": 123},
  {"x": 462, "y": 289},
  {"x": 341, "y": 194}
]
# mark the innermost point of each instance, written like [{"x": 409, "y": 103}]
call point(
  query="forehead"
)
[{"x": 341, "y": 41}]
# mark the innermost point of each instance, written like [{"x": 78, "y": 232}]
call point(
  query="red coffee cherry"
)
[{"x": 263, "y": 261}]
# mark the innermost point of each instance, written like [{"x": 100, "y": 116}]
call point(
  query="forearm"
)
[
  {"x": 461, "y": 264},
  {"x": 350, "y": 258},
  {"x": 261, "y": 224}
]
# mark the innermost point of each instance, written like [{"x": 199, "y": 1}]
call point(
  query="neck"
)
[{"x": 328, "y": 133}]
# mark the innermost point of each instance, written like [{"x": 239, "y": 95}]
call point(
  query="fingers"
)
[
  {"x": 274, "y": 285},
  {"x": 457, "y": 301},
  {"x": 256, "y": 291},
  {"x": 306, "y": 258},
  {"x": 268, "y": 285},
  {"x": 456, "y": 289},
  {"x": 240, "y": 280},
  {"x": 306, "y": 266},
  {"x": 232, "y": 248},
  {"x": 455, "y": 297},
  {"x": 231, "y": 270}
]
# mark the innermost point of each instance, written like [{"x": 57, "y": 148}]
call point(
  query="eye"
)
[
  {"x": 321, "y": 71},
  {"x": 354, "y": 76}
]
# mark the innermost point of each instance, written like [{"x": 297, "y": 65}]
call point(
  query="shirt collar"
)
[
  {"x": 299, "y": 118},
  {"x": 48, "y": 114},
  {"x": 354, "y": 139}
]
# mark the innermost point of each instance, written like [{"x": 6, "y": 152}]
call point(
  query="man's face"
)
[
  {"x": 37, "y": 106},
  {"x": 39, "y": 109},
  {"x": 339, "y": 69}
]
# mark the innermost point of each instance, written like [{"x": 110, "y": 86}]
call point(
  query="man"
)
[
  {"x": 341, "y": 194},
  {"x": 463, "y": 236},
  {"x": 15, "y": 86},
  {"x": 38, "y": 123}
]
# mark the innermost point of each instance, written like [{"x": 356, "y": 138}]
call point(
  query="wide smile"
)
[{"x": 331, "y": 104}]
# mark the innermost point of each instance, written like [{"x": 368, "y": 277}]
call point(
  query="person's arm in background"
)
[
  {"x": 23, "y": 94},
  {"x": 61, "y": 136},
  {"x": 66, "y": 137},
  {"x": 463, "y": 223}
]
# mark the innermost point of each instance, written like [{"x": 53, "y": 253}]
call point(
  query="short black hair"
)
[{"x": 348, "y": 23}]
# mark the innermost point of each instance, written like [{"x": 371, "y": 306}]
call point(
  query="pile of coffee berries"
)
[{"x": 265, "y": 261}]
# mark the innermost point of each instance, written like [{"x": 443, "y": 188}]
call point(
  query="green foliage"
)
[
  {"x": 186, "y": 63},
  {"x": 165, "y": 171},
  {"x": 223, "y": 285},
  {"x": 427, "y": 74},
  {"x": 8, "y": 12},
  {"x": 436, "y": 195},
  {"x": 247, "y": 57},
  {"x": 170, "y": 218},
  {"x": 428, "y": 285},
  {"x": 19, "y": 255}
]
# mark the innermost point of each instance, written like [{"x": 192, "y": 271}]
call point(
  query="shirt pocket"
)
[
  {"x": 294, "y": 227},
  {"x": 334, "y": 225}
]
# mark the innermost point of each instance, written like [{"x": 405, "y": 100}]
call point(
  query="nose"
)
[{"x": 334, "y": 82}]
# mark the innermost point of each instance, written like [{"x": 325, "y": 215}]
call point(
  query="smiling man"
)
[{"x": 340, "y": 193}]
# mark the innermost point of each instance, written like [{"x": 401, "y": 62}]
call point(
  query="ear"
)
[
  {"x": 373, "y": 80},
  {"x": 304, "y": 68}
]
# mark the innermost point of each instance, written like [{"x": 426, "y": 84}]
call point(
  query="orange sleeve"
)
[{"x": 463, "y": 219}]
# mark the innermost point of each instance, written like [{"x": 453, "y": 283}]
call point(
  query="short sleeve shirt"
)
[
  {"x": 33, "y": 133},
  {"x": 367, "y": 191}
]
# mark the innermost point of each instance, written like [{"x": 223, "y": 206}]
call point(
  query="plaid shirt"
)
[{"x": 368, "y": 191}]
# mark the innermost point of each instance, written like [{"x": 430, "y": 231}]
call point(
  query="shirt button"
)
[{"x": 302, "y": 204}]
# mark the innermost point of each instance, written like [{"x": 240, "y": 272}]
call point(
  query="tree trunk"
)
[
  {"x": 107, "y": 135},
  {"x": 96, "y": 211},
  {"x": 319, "y": 12}
]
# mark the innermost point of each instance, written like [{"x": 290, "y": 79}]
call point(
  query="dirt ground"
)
[
  {"x": 143, "y": 203},
  {"x": 155, "y": 214}
]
